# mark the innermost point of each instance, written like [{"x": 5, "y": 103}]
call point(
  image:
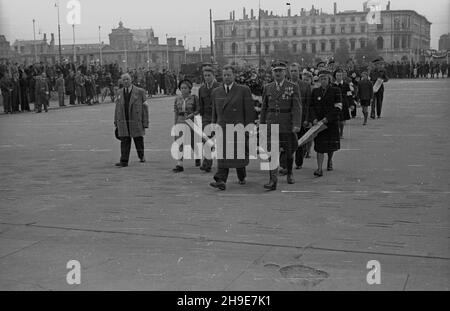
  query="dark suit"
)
[
  {"x": 233, "y": 108},
  {"x": 377, "y": 102},
  {"x": 305, "y": 96},
  {"x": 205, "y": 103}
]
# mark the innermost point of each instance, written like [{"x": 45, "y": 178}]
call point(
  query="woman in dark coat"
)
[{"x": 326, "y": 106}]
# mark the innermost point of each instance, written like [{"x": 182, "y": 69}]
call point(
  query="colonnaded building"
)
[{"x": 401, "y": 33}]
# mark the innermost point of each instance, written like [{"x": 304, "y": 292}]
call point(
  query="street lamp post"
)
[
  {"x": 74, "y": 49},
  {"x": 201, "y": 52},
  {"x": 34, "y": 41},
  {"x": 167, "y": 51},
  {"x": 185, "y": 51},
  {"x": 101, "y": 45},
  {"x": 259, "y": 35},
  {"x": 59, "y": 33}
]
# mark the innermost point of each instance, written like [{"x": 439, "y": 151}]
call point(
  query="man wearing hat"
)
[
  {"x": 205, "y": 103},
  {"x": 281, "y": 106},
  {"x": 378, "y": 73},
  {"x": 326, "y": 106}
]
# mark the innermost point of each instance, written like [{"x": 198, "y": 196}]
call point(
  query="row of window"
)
[
  {"x": 303, "y": 31},
  {"x": 303, "y": 47},
  {"x": 322, "y": 20}
]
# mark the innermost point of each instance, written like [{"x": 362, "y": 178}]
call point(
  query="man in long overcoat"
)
[
  {"x": 130, "y": 119},
  {"x": 232, "y": 104}
]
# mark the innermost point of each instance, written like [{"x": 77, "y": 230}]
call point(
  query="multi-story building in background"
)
[
  {"x": 5, "y": 48},
  {"x": 444, "y": 42},
  {"x": 401, "y": 33},
  {"x": 127, "y": 47}
]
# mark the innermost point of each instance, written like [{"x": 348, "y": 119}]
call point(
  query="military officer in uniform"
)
[
  {"x": 281, "y": 106},
  {"x": 205, "y": 103}
]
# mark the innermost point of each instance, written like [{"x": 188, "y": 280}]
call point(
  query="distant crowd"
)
[
  {"x": 22, "y": 85},
  {"x": 87, "y": 84}
]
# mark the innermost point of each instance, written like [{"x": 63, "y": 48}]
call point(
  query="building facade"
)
[
  {"x": 400, "y": 33},
  {"x": 123, "y": 49},
  {"x": 5, "y": 48},
  {"x": 444, "y": 42}
]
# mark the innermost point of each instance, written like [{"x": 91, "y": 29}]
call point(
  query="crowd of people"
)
[
  {"x": 37, "y": 84},
  {"x": 294, "y": 98},
  {"x": 330, "y": 93},
  {"x": 416, "y": 70}
]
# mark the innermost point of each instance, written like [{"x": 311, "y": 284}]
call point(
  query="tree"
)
[
  {"x": 367, "y": 54},
  {"x": 305, "y": 59},
  {"x": 221, "y": 60},
  {"x": 342, "y": 54},
  {"x": 282, "y": 52}
]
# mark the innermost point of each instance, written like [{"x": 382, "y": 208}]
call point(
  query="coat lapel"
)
[
  {"x": 133, "y": 98},
  {"x": 230, "y": 95}
]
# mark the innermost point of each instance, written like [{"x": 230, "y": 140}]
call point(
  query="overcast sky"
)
[{"x": 177, "y": 18}]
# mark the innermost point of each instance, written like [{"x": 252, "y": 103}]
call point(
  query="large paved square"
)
[{"x": 143, "y": 227}]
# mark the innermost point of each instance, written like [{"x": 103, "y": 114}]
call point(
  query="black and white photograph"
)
[{"x": 224, "y": 151}]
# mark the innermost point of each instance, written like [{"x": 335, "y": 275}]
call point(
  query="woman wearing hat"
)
[
  {"x": 186, "y": 107},
  {"x": 326, "y": 106}
]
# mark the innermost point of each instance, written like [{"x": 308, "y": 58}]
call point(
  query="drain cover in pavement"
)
[{"x": 305, "y": 275}]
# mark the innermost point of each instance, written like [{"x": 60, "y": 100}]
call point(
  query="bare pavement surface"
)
[{"x": 145, "y": 228}]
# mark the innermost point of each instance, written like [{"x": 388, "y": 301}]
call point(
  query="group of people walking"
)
[{"x": 327, "y": 95}]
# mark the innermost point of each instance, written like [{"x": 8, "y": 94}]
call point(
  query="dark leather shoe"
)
[
  {"x": 318, "y": 173},
  {"x": 178, "y": 169},
  {"x": 121, "y": 164},
  {"x": 242, "y": 182},
  {"x": 330, "y": 166},
  {"x": 282, "y": 172},
  {"x": 298, "y": 167},
  {"x": 207, "y": 170},
  {"x": 198, "y": 163},
  {"x": 290, "y": 179},
  {"x": 271, "y": 186},
  {"x": 143, "y": 160},
  {"x": 218, "y": 185}
]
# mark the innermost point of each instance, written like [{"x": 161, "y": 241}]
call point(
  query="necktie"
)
[{"x": 228, "y": 89}]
